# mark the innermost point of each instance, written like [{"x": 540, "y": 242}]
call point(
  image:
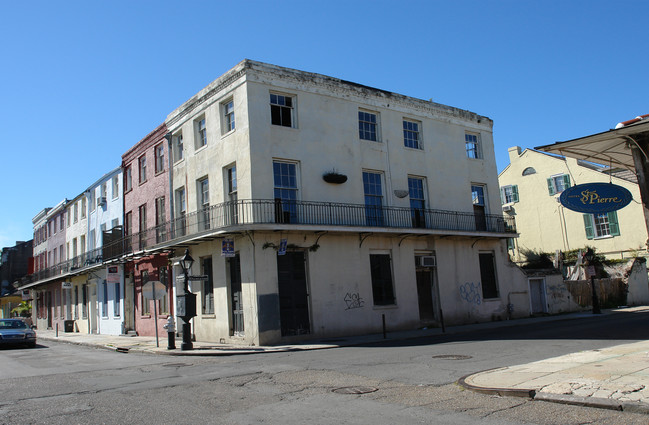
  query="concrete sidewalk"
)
[{"x": 613, "y": 378}]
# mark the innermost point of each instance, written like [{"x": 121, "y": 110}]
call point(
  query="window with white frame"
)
[
  {"x": 142, "y": 168},
  {"x": 203, "y": 186},
  {"x": 181, "y": 211},
  {"x": 228, "y": 116},
  {"x": 116, "y": 300},
  {"x": 411, "y": 134},
  {"x": 472, "y": 144},
  {"x": 177, "y": 142},
  {"x": 75, "y": 208},
  {"x": 231, "y": 178},
  {"x": 104, "y": 301},
  {"x": 285, "y": 191},
  {"x": 208, "y": 286},
  {"x": 282, "y": 110},
  {"x": 368, "y": 123},
  {"x": 558, "y": 183},
  {"x": 160, "y": 231},
  {"x": 142, "y": 225},
  {"x": 128, "y": 179},
  {"x": 83, "y": 207},
  {"x": 417, "y": 197},
  {"x": 200, "y": 131},
  {"x": 373, "y": 191},
  {"x": 159, "y": 153},
  {"x": 115, "y": 187},
  {"x": 92, "y": 240},
  {"x": 163, "y": 277},
  {"x": 509, "y": 194},
  {"x": 601, "y": 225},
  {"x": 144, "y": 279},
  {"x": 479, "y": 206}
]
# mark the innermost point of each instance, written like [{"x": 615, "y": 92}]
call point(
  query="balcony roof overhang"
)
[{"x": 612, "y": 147}]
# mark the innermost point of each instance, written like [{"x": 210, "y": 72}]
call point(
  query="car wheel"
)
[{"x": 31, "y": 345}]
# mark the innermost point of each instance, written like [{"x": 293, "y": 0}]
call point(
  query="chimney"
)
[{"x": 514, "y": 153}]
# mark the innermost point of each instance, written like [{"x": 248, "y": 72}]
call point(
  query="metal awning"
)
[{"x": 612, "y": 148}]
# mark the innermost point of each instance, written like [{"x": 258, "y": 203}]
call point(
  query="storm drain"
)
[
  {"x": 354, "y": 390},
  {"x": 452, "y": 357},
  {"x": 175, "y": 364},
  {"x": 121, "y": 350}
]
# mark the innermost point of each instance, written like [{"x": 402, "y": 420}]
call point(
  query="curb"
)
[
  {"x": 595, "y": 402},
  {"x": 207, "y": 352},
  {"x": 512, "y": 392}
]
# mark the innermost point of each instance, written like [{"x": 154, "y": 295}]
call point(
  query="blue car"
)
[{"x": 16, "y": 332}]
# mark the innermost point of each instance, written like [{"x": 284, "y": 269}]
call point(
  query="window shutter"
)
[
  {"x": 550, "y": 186},
  {"x": 566, "y": 181},
  {"x": 588, "y": 224},
  {"x": 515, "y": 193},
  {"x": 613, "y": 224},
  {"x": 502, "y": 195}
]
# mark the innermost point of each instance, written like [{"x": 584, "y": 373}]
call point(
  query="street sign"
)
[
  {"x": 593, "y": 198},
  {"x": 66, "y": 285},
  {"x": 227, "y": 248},
  {"x": 154, "y": 290},
  {"x": 282, "y": 247},
  {"x": 199, "y": 277}
]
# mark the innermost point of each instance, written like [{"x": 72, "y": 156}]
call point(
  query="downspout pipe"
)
[{"x": 171, "y": 278}]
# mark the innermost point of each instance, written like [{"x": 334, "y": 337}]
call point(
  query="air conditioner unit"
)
[
  {"x": 507, "y": 208},
  {"x": 428, "y": 261},
  {"x": 101, "y": 201}
]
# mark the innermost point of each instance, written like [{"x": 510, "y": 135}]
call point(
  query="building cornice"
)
[
  {"x": 322, "y": 84},
  {"x": 147, "y": 141}
]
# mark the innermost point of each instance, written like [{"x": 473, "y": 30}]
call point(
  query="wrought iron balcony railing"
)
[{"x": 249, "y": 212}]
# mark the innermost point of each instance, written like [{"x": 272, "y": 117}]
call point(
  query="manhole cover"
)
[
  {"x": 354, "y": 390},
  {"x": 452, "y": 357}
]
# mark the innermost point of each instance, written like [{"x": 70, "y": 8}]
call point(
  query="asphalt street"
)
[{"x": 412, "y": 381}]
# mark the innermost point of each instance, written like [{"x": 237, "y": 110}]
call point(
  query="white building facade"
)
[
  {"x": 105, "y": 281},
  {"x": 318, "y": 207}
]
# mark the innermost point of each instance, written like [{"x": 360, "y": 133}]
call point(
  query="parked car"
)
[{"x": 16, "y": 332}]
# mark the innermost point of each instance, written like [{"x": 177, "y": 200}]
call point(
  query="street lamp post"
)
[
  {"x": 589, "y": 256},
  {"x": 186, "y": 303}
]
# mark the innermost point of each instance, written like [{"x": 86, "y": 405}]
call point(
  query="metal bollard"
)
[{"x": 171, "y": 333}]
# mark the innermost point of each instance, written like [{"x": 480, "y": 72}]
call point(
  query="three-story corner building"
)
[
  {"x": 530, "y": 187},
  {"x": 317, "y": 207},
  {"x": 147, "y": 209}
]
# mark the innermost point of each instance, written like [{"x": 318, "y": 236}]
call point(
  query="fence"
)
[{"x": 610, "y": 292}]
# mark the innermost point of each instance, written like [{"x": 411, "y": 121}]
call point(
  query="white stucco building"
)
[
  {"x": 105, "y": 281},
  {"x": 344, "y": 204}
]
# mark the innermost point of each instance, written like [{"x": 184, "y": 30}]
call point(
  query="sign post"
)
[{"x": 154, "y": 290}]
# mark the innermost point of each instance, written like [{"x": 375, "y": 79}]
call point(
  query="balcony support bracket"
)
[{"x": 363, "y": 236}]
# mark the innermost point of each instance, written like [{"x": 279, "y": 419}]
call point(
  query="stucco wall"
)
[{"x": 560, "y": 227}]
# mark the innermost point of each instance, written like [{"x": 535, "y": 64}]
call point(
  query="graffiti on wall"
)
[
  {"x": 470, "y": 292},
  {"x": 353, "y": 301}
]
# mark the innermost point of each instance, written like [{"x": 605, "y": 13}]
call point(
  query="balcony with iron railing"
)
[{"x": 236, "y": 215}]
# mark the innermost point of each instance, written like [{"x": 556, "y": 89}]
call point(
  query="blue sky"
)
[{"x": 83, "y": 81}]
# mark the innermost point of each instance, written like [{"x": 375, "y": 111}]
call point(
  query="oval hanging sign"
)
[{"x": 595, "y": 198}]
